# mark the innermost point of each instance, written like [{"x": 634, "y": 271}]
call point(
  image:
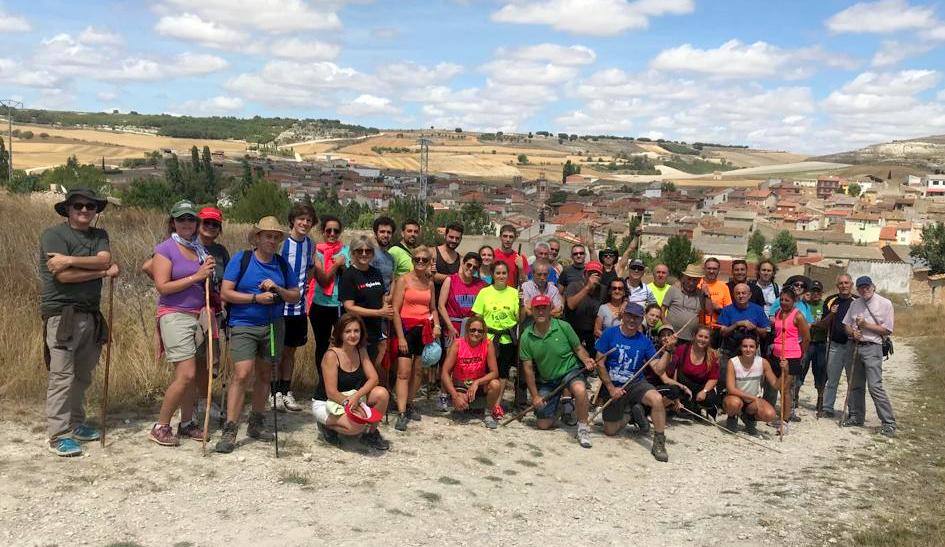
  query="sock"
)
[
  {"x": 286, "y": 386},
  {"x": 274, "y": 386}
]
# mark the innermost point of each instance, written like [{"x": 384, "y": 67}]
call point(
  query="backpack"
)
[{"x": 245, "y": 259}]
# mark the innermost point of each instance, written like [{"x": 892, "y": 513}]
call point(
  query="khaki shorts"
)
[
  {"x": 182, "y": 336},
  {"x": 249, "y": 343}
]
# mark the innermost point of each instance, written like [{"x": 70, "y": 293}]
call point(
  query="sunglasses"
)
[
  {"x": 578, "y": 254},
  {"x": 332, "y": 230},
  {"x": 618, "y": 288},
  {"x": 471, "y": 265},
  {"x": 364, "y": 252},
  {"x": 80, "y": 205},
  {"x": 475, "y": 331},
  {"x": 211, "y": 224},
  {"x": 186, "y": 218},
  {"x": 637, "y": 268},
  {"x": 420, "y": 260}
]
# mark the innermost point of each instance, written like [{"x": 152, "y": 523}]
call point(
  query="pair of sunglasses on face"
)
[{"x": 421, "y": 260}]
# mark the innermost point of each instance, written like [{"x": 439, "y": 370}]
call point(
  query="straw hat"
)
[
  {"x": 266, "y": 224},
  {"x": 693, "y": 270}
]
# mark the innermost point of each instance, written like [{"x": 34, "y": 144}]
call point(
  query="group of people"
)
[{"x": 389, "y": 319}]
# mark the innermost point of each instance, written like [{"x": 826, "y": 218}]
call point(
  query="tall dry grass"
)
[{"x": 137, "y": 378}]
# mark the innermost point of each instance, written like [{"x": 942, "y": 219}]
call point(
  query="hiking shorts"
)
[
  {"x": 635, "y": 393},
  {"x": 250, "y": 342},
  {"x": 550, "y": 409},
  {"x": 795, "y": 366},
  {"x": 296, "y": 330},
  {"x": 414, "y": 337},
  {"x": 182, "y": 335}
]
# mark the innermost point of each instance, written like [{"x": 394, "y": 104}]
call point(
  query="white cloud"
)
[
  {"x": 106, "y": 96},
  {"x": 266, "y": 15},
  {"x": 68, "y": 56},
  {"x": 193, "y": 28},
  {"x": 882, "y": 17},
  {"x": 291, "y": 83},
  {"x": 591, "y": 17},
  {"x": 511, "y": 71},
  {"x": 13, "y": 23},
  {"x": 214, "y": 106},
  {"x": 139, "y": 69},
  {"x": 95, "y": 37},
  {"x": 368, "y": 105},
  {"x": 558, "y": 54},
  {"x": 413, "y": 75},
  {"x": 308, "y": 50},
  {"x": 735, "y": 59},
  {"x": 581, "y": 123},
  {"x": 12, "y": 72}
]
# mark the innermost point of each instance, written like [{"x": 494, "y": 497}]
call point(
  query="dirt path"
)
[{"x": 444, "y": 483}]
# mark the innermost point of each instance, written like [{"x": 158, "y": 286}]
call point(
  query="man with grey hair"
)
[
  {"x": 841, "y": 348},
  {"x": 554, "y": 248},
  {"x": 543, "y": 252},
  {"x": 538, "y": 285}
]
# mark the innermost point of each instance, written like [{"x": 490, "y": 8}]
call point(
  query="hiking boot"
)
[
  {"x": 731, "y": 423},
  {"x": 712, "y": 412},
  {"x": 820, "y": 403},
  {"x": 401, "y": 424},
  {"x": 163, "y": 435},
  {"x": 794, "y": 417},
  {"x": 828, "y": 413},
  {"x": 256, "y": 427},
  {"x": 330, "y": 436},
  {"x": 413, "y": 413},
  {"x": 65, "y": 447},
  {"x": 279, "y": 402},
  {"x": 584, "y": 435},
  {"x": 227, "y": 441},
  {"x": 888, "y": 430},
  {"x": 290, "y": 404},
  {"x": 86, "y": 433},
  {"x": 490, "y": 422},
  {"x": 775, "y": 423},
  {"x": 751, "y": 427},
  {"x": 850, "y": 421},
  {"x": 659, "y": 447},
  {"x": 639, "y": 418},
  {"x": 190, "y": 430},
  {"x": 374, "y": 440},
  {"x": 443, "y": 402}
]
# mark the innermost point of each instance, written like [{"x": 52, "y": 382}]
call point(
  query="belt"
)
[{"x": 861, "y": 343}]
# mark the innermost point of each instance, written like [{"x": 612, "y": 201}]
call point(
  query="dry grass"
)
[{"x": 137, "y": 378}]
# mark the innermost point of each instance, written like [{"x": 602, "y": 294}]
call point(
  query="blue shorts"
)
[{"x": 550, "y": 409}]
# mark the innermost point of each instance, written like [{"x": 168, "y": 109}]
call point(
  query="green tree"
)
[
  {"x": 4, "y": 162},
  {"x": 932, "y": 248},
  {"x": 668, "y": 186},
  {"x": 173, "y": 175},
  {"x": 783, "y": 246},
  {"x": 557, "y": 198},
  {"x": 854, "y": 190},
  {"x": 756, "y": 244},
  {"x": 73, "y": 175},
  {"x": 677, "y": 254},
  {"x": 23, "y": 183},
  {"x": 610, "y": 242},
  {"x": 522, "y": 159},
  {"x": 262, "y": 198},
  {"x": 209, "y": 173},
  {"x": 149, "y": 193},
  {"x": 569, "y": 169},
  {"x": 195, "y": 158}
]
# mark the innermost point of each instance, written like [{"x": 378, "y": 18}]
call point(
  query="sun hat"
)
[
  {"x": 541, "y": 301},
  {"x": 266, "y": 224},
  {"x": 431, "y": 354},
  {"x": 593, "y": 266},
  {"x": 634, "y": 309},
  {"x": 371, "y": 414},
  {"x": 183, "y": 207},
  {"x": 210, "y": 213},
  {"x": 63, "y": 206},
  {"x": 693, "y": 270}
]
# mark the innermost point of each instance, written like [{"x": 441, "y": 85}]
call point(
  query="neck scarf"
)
[
  {"x": 195, "y": 245},
  {"x": 329, "y": 250}
]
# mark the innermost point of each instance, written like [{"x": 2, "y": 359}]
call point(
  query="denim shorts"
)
[{"x": 550, "y": 409}]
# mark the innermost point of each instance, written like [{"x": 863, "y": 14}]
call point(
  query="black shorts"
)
[
  {"x": 635, "y": 393},
  {"x": 506, "y": 357},
  {"x": 296, "y": 331},
  {"x": 795, "y": 366},
  {"x": 415, "y": 343}
]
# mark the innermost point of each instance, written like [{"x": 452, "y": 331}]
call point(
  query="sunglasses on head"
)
[
  {"x": 332, "y": 230},
  {"x": 80, "y": 205}
]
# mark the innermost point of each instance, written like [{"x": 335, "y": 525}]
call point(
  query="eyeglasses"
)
[
  {"x": 475, "y": 331},
  {"x": 211, "y": 224},
  {"x": 86, "y": 205},
  {"x": 420, "y": 260},
  {"x": 471, "y": 265},
  {"x": 539, "y": 274},
  {"x": 364, "y": 252},
  {"x": 332, "y": 230}
]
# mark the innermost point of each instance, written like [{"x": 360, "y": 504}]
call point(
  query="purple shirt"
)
[{"x": 190, "y": 298}]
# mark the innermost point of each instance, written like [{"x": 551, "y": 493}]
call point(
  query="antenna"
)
[{"x": 424, "y": 174}]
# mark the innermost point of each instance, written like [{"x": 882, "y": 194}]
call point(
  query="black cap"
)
[
  {"x": 63, "y": 206},
  {"x": 816, "y": 286}
]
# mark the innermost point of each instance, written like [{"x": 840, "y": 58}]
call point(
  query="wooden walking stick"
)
[
  {"x": 784, "y": 367},
  {"x": 210, "y": 319},
  {"x": 727, "y": 430},
  {"x": 108, "y": 354},
  {"x": 275, "y": 371}
]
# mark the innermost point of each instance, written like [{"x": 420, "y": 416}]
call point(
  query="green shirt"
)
[
  {"x": 553, "y": 354},
  {"x": 658, "y": 292},
  {"x": 63, "y": 239},
  {"x": 403, "y": 261},
  {"x": 499, "y": 309},
  {"x": 817, "y": 334}
]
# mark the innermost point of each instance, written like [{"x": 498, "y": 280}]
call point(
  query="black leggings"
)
[
  {"x": 711, "y": 397},
  {"x": 323, "y": 319}
]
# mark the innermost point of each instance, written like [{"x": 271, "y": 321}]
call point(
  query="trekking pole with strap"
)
[
  {"x": 636, "y": 374},
  {"x": 224, "y": 370},
  {"x": 108, "y": 354},
  {"x": 206, "y": 414},
  {"x": 275, "y": 370}
]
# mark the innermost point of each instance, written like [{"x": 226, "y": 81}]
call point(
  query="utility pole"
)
[{"x": 10, "y": 104}]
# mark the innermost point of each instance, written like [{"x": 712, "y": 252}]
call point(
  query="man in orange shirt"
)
[{"x": 716, "y": 290}]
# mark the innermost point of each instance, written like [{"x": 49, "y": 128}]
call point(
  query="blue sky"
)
[{"x": 807, "y": 76}]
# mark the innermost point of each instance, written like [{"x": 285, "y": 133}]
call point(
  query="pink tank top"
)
[
  {"x": 460, "y": 301},
  {"x": 470, "y": 361},
  {"x": 786, "y": 335}
]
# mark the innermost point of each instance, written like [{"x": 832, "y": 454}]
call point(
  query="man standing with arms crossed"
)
[
  {"x": 841, "y": 347},
  {"x": 74, "y": 257}
]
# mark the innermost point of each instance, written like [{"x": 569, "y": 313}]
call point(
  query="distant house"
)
[
  {"x": 827, "y": 186},
  {"x": 654, "y": 190},
  {"x": 579, "y": 180},
  {"x": 864, "y": 227},
  {"x": 762, "y": 199},
  {"x": 934, "y": 185}
]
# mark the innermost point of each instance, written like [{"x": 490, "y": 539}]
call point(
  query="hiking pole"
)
[
  {"x": 820, "y": 395},
  {"x": 639, "y": 372},
  {"x": 564, "y": 383},
  {"x": 275, "y": 370},
  {"x": 108, "y": 354},
  {"x": 206, "y": 414},
  {"x": 783, "y": 377},
  {"x": 846, "y": 397},
  {"x": 729, "y": 431}
]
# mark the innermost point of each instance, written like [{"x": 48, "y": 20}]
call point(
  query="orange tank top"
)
[{"x": 416, "y": 304}]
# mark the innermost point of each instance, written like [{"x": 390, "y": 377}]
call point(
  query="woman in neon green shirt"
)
[{"x": 499, "y": 305}]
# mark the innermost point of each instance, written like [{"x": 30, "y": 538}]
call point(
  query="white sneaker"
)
[
  {"x": 290, "y": 403},
  {"x": 280, "y": 402},
  {"x": 584, "y": 435}
]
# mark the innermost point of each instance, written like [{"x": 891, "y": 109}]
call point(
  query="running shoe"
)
[
  {"x": 584, "y": 435},
  {"x": 888, "y": 430},
  {"x": 290, "y": 404},
  {"x": 163, "y": 435},
  {"x": 490, "y": 422},
  {"x": 84, "y": 432},
  {"x": 498, "y": 412},
  {"x": 374, "y": 440},
  {"x": 65, "y": 447},
  {"x": 190, "y": 430},
  {"x": 401, "y": 424}
]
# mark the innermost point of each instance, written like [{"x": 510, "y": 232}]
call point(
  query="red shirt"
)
[
  {"x": 699, "y": 373},
  {"x": 512, "y": 261}
]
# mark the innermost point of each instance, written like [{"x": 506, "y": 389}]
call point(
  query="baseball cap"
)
[
  {"x": 667, "y": 327},
  {"x": 541, "y": 300},
  {"x": 633, "y": 309},
  {"x": 593, "y": 266},
  {"x": 863, "y": 280},
  {"x": 182, "y": 208},
  {"x": 637, "y": 263},
  {"x": 816, "y": 286},
  {"x": 210, "y": 213}
]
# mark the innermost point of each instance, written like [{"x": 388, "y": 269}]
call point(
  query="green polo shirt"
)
[
  {"x": 552, "y": 354},
  {"x": 403, "y": 260}
]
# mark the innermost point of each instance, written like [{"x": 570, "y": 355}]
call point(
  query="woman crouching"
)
[
  {"x": 348, "y": 400},
  {"x": 745, "y": 379}
]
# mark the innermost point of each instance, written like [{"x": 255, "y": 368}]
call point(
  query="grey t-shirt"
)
[
  {"x": 65, "y": 240},
  {"x": 607, "y": 317},
  {"x": 680, "y": 309}
]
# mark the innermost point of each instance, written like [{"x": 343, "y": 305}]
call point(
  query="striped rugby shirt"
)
[{"x": 299, "y": 256}]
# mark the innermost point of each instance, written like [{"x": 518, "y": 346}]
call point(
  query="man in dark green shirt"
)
[
  {"x": 73, "y": 258},
  {"x": 552, "y": 348},
  {"x": 816, "y": 356}
]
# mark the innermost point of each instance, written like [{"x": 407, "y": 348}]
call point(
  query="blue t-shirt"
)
[
  {"x": 632, "y": 353},
  {"x": 756, "y": 314},
  {"x": 256, "y": 315},
  {"x": 801, "y": 307}
]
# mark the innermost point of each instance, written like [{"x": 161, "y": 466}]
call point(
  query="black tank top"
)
[
  {"x": 444, "y": 267},
  {"x": 347, "y": 381}
]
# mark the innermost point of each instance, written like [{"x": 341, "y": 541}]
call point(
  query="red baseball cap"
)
[
  {"x": 541, "y": 300},
  {"x": 210, "y": 213},
  {"x": 593, "y": 266},
  {"x": 371, "y": 414}
]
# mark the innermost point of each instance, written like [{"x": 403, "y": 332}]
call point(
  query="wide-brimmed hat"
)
[
  {"x": 63, "y": 206},
  {"x": 693, "y": 270},
  {"x": 266, "y": 224}
]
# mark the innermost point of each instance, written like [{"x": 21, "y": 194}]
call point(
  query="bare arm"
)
[
  {"x": 446, "y": 373},
  {"x": 598, "y": 326},
  {"x": 441, "y": 306},
  {"x": 398, "y": 301},
  {"x": 75, "y": 275},
  {"x": 330, "y": 365},
  {"x": 804, "y": 330},
  {"x": 57, "y": 262}
]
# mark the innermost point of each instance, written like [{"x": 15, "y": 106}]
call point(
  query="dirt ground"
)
[{"x": 448, "y": 483}]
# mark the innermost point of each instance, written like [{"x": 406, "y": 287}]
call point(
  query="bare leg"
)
[
  {"x": 177, "y": 392},
  {"x": 237, "y": 390}
]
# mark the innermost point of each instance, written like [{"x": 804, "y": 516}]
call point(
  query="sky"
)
[{"x": 804, "y": 76}]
